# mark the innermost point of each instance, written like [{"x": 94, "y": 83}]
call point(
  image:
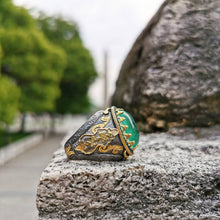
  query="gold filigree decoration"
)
[
  {"x": 127, "y": 136},
  {"x": 99, "y": 140},
  {"x": 135, "y": 147},
  {"x": 106, "y": 111},
  {"x": 119, "y": 111},
  {"x": 68, "y": 151},
  {"x": 126, "y": 155},
  {"x": 105, "y": 119},
  {"x": 121, "y": 131},
  {"x": 131, "y": 143},
  {"x": 88, "y": 143},
  {"x": 123, "y": 128},
  {"x": 115, "y": 149},
  {"x": 120, "y": 119}
]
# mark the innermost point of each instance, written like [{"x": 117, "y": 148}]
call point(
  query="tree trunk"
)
[
  {"x": 7, "y": 136},
  {"x": 23, "y": 121}
]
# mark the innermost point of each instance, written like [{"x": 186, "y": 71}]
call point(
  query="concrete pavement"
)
[{"x": 19, "y": 179}]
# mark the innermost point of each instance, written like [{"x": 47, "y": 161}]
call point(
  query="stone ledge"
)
[
  {"x": 168, "y": 177},
  {"x": 10, "y": 151}
]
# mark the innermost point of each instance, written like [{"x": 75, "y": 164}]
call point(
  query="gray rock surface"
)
[
  {"x": 168, "y": 177},
  {"x": 172, "y": 72}
]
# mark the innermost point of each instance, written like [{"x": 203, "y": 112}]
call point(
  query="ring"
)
[{"x": 108, "y": 135}]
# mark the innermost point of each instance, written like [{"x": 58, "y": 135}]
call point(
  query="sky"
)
[{"x": 105, "y": 25}]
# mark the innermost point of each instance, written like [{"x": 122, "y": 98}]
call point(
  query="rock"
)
[
  {"x": 168, "y": 177},
  {"x": 172, "y": 72}
]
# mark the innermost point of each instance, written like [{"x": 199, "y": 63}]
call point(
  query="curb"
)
[{"x": 10, "y": 151}]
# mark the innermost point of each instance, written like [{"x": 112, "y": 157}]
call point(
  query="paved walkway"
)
[{"x": 19, "y": 179}]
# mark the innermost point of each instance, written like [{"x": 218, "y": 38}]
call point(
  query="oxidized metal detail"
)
[{"x": 103, "y": 137}]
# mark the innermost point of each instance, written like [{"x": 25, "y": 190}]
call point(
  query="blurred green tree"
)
[
  {"x": 8, "y": 100},
  {"x": 35, "y": 64},
  {"x": 80, "y": 70},
  {"x": 12, "y": 16},
  {"x": 9, "y": 96}
]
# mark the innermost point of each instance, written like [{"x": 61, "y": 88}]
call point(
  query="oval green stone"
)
[{"x": 132, "y": 128}]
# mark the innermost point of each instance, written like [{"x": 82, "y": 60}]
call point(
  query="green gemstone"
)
[{"x": 132, "y": 129}]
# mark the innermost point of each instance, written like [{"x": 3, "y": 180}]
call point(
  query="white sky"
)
[{"x": 111, "y": 25}]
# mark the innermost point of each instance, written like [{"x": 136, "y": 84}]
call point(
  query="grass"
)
[{"x": 7, "y": 138}]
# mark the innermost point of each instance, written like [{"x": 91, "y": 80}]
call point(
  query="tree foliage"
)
[
  {"x": 8, "y": 99},
  {"x": 9, "y": 96},
  {"x": 30, "y": 59},
  {"x": 12, "y": 16},
  {"x": 42, "y": 59},
  {"x": 36, "y": 65},
  {"x": 79, "y": 72}
]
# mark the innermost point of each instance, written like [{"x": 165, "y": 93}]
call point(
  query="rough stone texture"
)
[
  {"x": 172, "y": 72},
  {"x": 168, "y": 177}
]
